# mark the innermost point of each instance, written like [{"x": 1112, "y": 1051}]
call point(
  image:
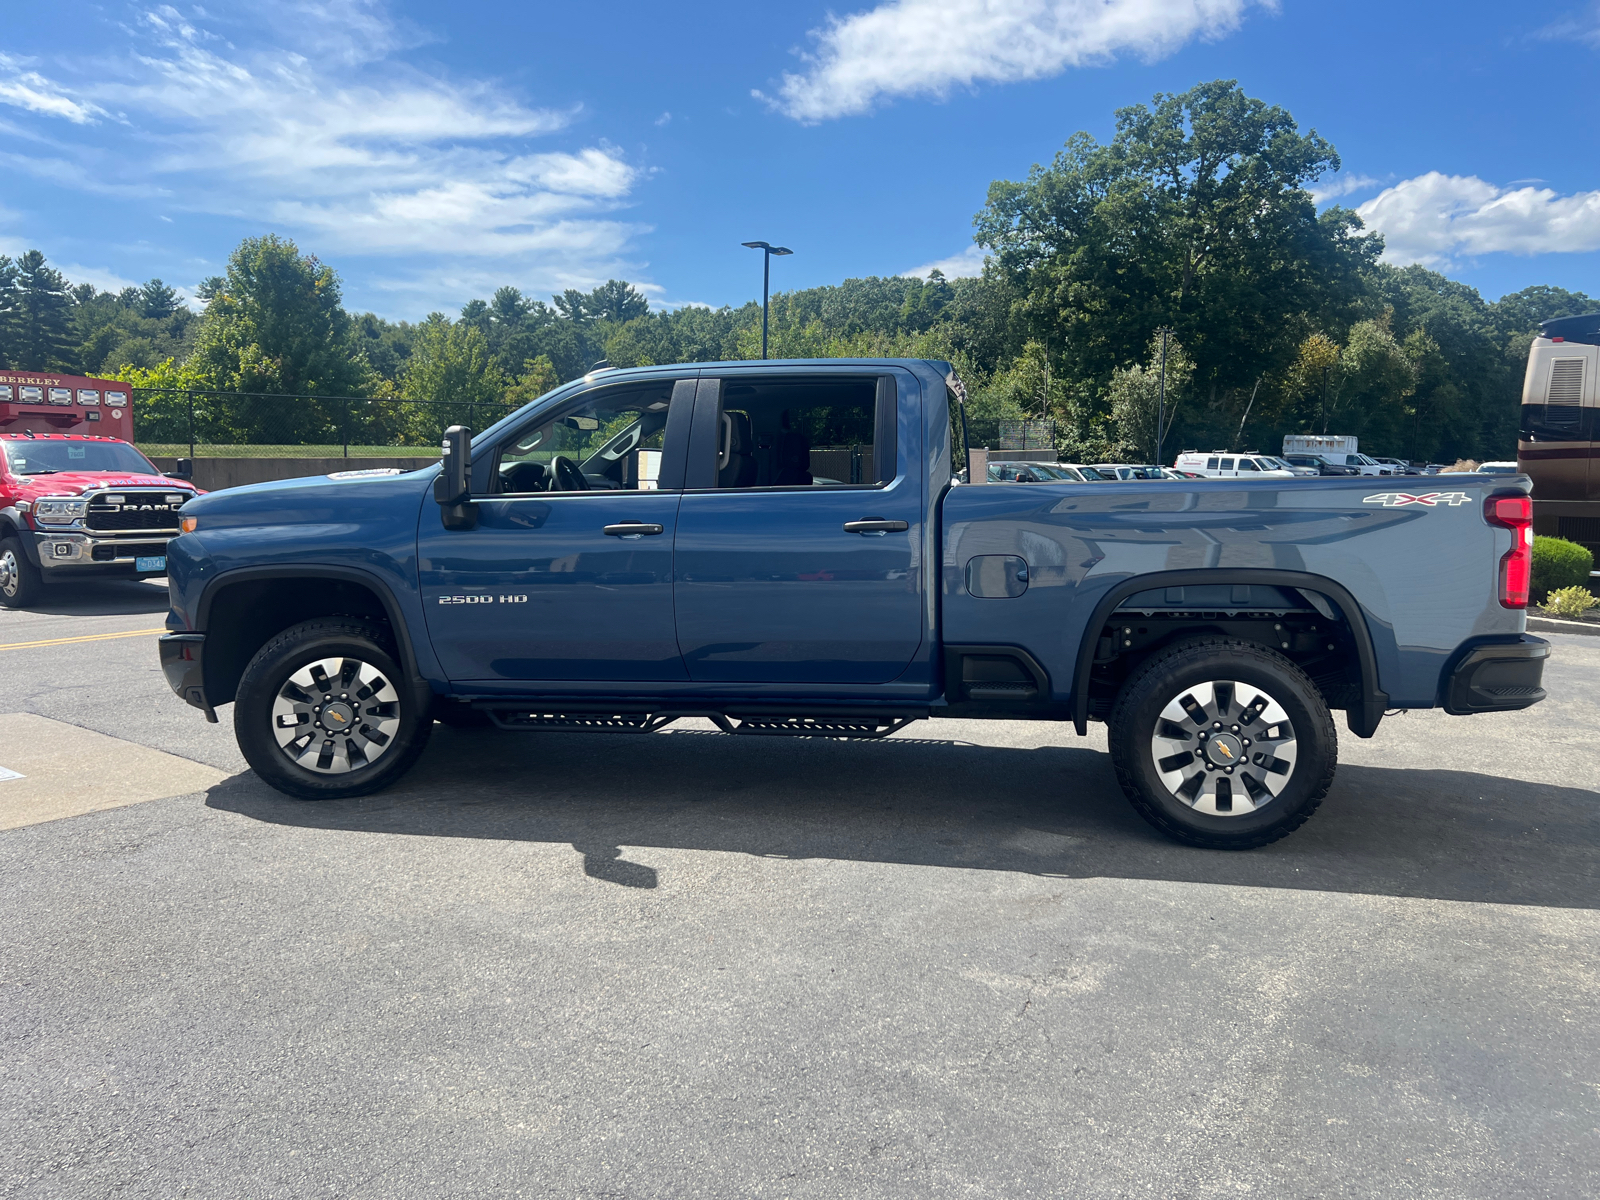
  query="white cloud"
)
[
  {"x": 927, "y": 47},
  {"x": 32, "y": 92},
  {"x": 319, "y": 130},
  {"x": 1435, "y": 219},
  {"x": 968, "y": 263},
  {"x": 1341, "y": 185}
]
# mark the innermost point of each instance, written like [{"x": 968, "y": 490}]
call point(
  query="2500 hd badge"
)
[{"x": 483, "y": 599}]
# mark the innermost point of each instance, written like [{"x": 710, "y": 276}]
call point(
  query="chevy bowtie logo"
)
[{"x": 1427, "y": 500}]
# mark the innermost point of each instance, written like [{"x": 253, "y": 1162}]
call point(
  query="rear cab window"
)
[{"x": 795, "y": 431}]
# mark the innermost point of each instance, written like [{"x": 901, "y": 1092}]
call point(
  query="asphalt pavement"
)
[{"x": 953, "y": 963}]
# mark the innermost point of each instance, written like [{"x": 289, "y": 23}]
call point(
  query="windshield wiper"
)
[{"x": 45, "y": 471}]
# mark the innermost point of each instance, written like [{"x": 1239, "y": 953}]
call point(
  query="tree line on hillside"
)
[{"x": 1195, "y": 218}]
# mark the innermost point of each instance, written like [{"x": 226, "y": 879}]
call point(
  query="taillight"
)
[{"x": 1516, "y": 566}]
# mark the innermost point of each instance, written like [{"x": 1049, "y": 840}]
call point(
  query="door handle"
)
[
  {"x": 633, "y": 529},
  {"x": 875, "y": 525}
]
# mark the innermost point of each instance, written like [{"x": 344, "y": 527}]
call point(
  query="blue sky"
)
[{"x": 431, "y": 152}]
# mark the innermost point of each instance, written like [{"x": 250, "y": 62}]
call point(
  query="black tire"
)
[
  {"x": 21, "y": 583},
  {"x": 392, "y": 712},
  {"x": 1263, "y": 797}
]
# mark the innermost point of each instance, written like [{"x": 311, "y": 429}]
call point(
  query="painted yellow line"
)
[{"x": 88, "y": 637}]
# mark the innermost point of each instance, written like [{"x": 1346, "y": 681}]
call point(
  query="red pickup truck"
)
[{"x": 81, "y": 506}]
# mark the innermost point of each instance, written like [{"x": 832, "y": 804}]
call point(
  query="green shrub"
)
[
  {"x": 1558, "y": 563},
  {"x": 1570, "y": 602}
]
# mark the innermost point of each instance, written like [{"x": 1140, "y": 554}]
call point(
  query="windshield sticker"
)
[
  {"x": 1427, "y": 500},
  {"x": 369, "y": 473}
]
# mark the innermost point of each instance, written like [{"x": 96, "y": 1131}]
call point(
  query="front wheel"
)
[
  {"x": 20, "y": 581},
  {"x": 322, "y": 711},
  {"x": 1223, "y": 744}
]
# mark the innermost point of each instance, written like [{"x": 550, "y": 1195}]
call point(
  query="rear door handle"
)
[
  {"x": 874, "y": 525},
  {"x": 634, "y": 529}
]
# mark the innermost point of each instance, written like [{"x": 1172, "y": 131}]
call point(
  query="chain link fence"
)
[
  {"x": 999, "y": 434},
  {"x": 170, "y": 422}
]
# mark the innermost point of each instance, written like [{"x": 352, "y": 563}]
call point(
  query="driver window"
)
[
  {"x": 609, "y": 440},
  {"x": 1247, "y": 464}
]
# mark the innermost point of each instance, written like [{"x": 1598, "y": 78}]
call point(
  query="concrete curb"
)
[{"x": 1554, "y": 625}]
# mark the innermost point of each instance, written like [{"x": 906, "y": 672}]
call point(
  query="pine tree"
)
[
  {"x": 8, "y": 313},
  {"x": 44, "y": 338}
]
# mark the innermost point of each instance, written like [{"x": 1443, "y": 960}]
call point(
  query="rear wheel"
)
[
  {"x": 1223, "y": 744},
  {"x": 322, "y": 711},
  {"x": 20, "y": 581}
]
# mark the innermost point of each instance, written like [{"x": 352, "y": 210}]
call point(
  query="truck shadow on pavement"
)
[
  {"x": 103, "y": 598},
  {"x": 1050, "y": 811}
]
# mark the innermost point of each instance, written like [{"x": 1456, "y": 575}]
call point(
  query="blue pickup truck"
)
[{"x": 785, "y": 548}]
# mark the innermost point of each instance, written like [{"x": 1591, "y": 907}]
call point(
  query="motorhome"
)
[{"x": 1556, "y": 444}]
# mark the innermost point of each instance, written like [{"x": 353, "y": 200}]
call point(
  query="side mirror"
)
[
  {"x": 453, "y": 488},
  {"x": 184, "y": 469}
]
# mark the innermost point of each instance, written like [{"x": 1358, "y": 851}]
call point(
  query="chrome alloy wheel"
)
[
  {"x": 10, "y": 575},
  {"x": 1224, "y": 748},
  {"x": 336, "y": 715}
]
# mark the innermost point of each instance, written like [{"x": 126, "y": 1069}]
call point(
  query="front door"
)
[
  {"x": 799, "y": 537},
  {"x": 568, "y": 574}
]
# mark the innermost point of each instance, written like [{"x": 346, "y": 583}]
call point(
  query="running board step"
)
[{"x": 825, "y": 725}]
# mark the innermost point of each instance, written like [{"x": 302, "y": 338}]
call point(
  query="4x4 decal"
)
[{"x": 1427, "y": 499}]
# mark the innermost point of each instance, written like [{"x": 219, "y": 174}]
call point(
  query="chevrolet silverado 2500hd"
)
[{"x": 781, "y": 547}]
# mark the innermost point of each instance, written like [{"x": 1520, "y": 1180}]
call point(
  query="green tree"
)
[
  {"x": 452, "y": 377},
  {"x": 1135, "y": 401},
  {"x": 1194, "y": 216},
  {"x": 8, "y": 312},
  {"x": 42, "y": 326},
  {"x": 275, "y": 324}
]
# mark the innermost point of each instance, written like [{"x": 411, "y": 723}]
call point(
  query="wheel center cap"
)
[
  {"x": 1224, "y": 750},
  {"x": 338, "y": 717}
]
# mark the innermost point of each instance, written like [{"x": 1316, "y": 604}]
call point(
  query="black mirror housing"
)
[
  {"x": 453, "y": 487},
  {"x": 184, "y": 469}
]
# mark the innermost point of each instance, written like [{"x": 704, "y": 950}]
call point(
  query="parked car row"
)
[{"x": 1222, "y": 464}]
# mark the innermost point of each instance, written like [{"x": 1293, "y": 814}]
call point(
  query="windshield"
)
[{"x": 40, "y": 457}]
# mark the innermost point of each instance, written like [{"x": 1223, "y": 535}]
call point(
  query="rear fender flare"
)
[{"x": 1363, "y": 722}]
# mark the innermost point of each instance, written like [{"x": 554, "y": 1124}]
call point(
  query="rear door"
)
[{"x": 798, "y": 548}]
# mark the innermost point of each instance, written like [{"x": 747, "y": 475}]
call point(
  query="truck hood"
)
[
  {"x": 312, "y": 499},
  {"x": 75, "y": 483}
]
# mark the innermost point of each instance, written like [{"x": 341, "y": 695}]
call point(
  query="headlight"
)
[{"x": 59, "y": 512}]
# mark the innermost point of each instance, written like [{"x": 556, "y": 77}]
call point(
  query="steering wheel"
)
[{"x": 567, "y": 476}]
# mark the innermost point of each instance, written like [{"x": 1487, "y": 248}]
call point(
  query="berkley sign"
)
[{"x": 41, "y": 402}]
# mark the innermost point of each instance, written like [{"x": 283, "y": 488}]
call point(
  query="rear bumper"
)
[
  {"x": 1496, "y": 677},
  {"x": 182, "y": 664}
]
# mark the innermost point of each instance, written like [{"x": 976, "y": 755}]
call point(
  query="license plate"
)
[{"x": 155, "y": 563}]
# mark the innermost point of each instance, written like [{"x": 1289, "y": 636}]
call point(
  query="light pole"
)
[
  {"x": 767, "y": 251},
  {"x": 1161, "y": 410}
]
